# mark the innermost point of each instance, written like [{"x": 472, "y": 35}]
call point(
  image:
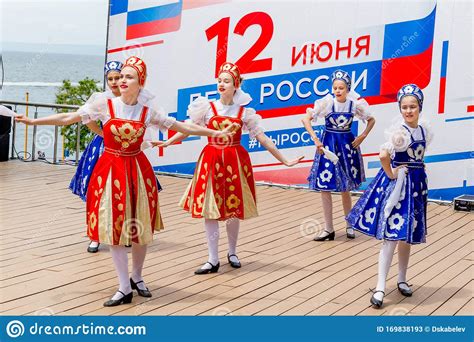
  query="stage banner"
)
[{"x": 287, "y": 51}]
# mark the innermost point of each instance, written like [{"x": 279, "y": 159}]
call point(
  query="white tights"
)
[
  {"x": 120, "y": 260},
  {"x": 326, "y": 200},
  {"x": 385, "y": 260},
  {"x": 212, "y": 235}
]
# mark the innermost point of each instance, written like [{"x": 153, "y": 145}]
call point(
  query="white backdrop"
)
[{"x": 287, "y": 51}]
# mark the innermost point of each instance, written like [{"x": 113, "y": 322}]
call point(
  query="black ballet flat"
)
[
  {"x": 350, "y": 235},
  {"x": 406, "y": 293},
  {"x": 235, "y": 264},
  {"x": 213, "y": 269},
  {"x": 329, "y": 237},
  {"x": 126, "y": 299},
  {"x": 93, "y": 249},
  {"x": 375, "y": 302},
  {"x": 142, "y": 293}
]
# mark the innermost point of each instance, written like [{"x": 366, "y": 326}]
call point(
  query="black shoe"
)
[
  {"x": 93, "y": 249},
  {"x": 375, "y": 302},
  {"x": 213, "y": 269},
  {"x": 143, "y": 293},
  {"x": 235, "y": 264},
  {"x": 329, "y": 236},
  {"x": 349, "y": 234},
  {"x": 406, "y": 293},
  {"x": 126, "y": 299}
]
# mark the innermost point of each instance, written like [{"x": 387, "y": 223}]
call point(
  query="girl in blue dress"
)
[
  {"x": 94, "y": 149},
  {"x": 393, "y": 208},
  {"x": 338, "y": 164}
]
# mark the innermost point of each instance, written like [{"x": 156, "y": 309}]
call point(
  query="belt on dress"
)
[
  {"x": 235, "y": 143},
  {"x": 122, "y": 152},
  {"x": 413, "y": 165},
  {"x": 335, "y": 130}
]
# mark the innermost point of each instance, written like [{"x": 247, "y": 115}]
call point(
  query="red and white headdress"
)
[
  {"x": 232, "y": 70},
  {"x": 139, "y": 65}
]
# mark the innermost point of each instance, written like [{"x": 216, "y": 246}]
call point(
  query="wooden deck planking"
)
[{"x": 45, "y": 268}]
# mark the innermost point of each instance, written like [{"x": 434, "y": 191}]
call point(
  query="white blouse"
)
[
  {"x": 323, "y": 107},
  {"x": 200, "y": 112},
  {"x": 96, "y": 109},
  {"x": 4, "y": 111},
  {"x": 398, "y": 138}
]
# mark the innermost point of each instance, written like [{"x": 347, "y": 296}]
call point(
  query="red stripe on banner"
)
[
  {"x": 284, "y": 176},
  {"x": 153, "y": 27},
  {"x": 442, "y": 94},
  {"x": 307, "y": 161},
  {"x": 279, "y": 164},
  {"x": 190, "y": 4},
  {"x": 379, "y": 99},
  {"x": 134, "y": 46},
  {"x": 470, "y": 108},
  {"x": 370, "y": 154},
  {"x": 400, "y": 71},
  {"x": 278, "y": 112}
]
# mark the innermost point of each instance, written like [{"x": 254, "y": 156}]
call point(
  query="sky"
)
[{"x": 35, "y": 23}]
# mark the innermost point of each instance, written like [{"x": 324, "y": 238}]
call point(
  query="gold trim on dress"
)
[
  {"x": 106, "y": 220},
  {"x": 250, "y": 203}
]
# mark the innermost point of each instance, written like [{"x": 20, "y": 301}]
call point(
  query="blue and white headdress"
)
[
  {"x": 112, "y": 66},
  {"x": 343, "y": 76},
  {"x": 412, "y": 90}
]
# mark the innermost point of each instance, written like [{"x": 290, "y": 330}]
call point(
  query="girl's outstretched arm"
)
[
  {"x": 192, "y": 129},
  {"x": 60, "y": 119},
  {"x": 266, "y": 142}
]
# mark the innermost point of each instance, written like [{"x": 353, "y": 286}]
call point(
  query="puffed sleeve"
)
[
  {"x": 252, "y": 122},
  {"x": 426, "y": 126},
  {"x": 94, "y": 109},
  {"x": 198, "y": 111},
  {"x": 4, "y": 111},
  {"x": 158, "y": 118},
  {"x": 321, "y": 108},
  {"x": 398, "y": 140},
  {"x": 362, "y": 110}
]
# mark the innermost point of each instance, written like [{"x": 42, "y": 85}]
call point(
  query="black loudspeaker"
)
[{"x": 5, "y": 129}]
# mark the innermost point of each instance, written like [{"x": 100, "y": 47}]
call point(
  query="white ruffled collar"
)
[{"x": 241, "y": 98}]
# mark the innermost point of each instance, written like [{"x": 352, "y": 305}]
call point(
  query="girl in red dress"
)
[
  {"x": 223, "y": 186},
  {"x": 122, "y": 200}
]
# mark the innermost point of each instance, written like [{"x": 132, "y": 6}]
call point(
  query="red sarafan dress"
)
[
  {"x": 223, "y": 185},
  {"x": 122, "y": 199}
]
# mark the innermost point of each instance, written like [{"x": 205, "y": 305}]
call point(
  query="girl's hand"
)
[
  {"x": 319, "y": 146},
  {"x": 395, "y": 171},
  {"x": 294, "y": 161},
  {"x": 159, "y": 143},
  {"x": 228, "y": 132},
  {"x": 358, "y": 140},
  {"x": 24, "y": 120}
]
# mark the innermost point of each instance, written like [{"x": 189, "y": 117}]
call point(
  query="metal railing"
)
[{"x": 37, "y": 105}]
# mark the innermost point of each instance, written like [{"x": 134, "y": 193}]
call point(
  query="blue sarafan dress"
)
[
  {"x": 348, "y": 173},
  {"x": 80, "y": 180},
  {"x": 403, "y": 219}
]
